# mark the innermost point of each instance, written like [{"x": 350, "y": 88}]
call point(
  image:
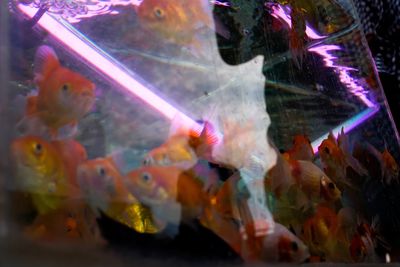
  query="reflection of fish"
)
[
  {"x": 177, "y": 20},
  {"x": 64, "y": 96},
  {"x": 102, "y": 183},
  {"x": 47, "y": 171},
  {"x": 173, "y": 195},
  {"x": 297, "y": 35}
]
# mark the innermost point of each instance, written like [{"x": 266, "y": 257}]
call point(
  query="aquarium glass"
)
[{"x": 194, "y": 131}]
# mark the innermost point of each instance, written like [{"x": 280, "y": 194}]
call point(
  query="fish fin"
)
[
  {"x": 118, "y": 159},
  {"x": 68, "y": 131},
  {"x": 178, "y": 127},
  {"x": 45, "y": 62},
  {"x": 168, "y": 212}
]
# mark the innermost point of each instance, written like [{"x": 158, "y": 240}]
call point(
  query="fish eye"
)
[
  {"x": 158, "y": 12},
  {"x": 146, "y": 176},
  {"x": 38, "y": 148},
  {"x": 147, "y": 161},
  {"x": 294, "y": 246},
  {"x": 65, "y": 88},
  {"x": 331, "y": 185},
  {"x": 102, "y": 171}
]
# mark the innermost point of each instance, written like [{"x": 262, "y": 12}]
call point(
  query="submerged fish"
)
[
  {"x": 46, "y": 173},
  {"x": 69, "y": 223},
  {"x": 46, "y": 170},
  {"x": 64, "y": 96},
  {"x": 305, "y": 181},
  {"x": 173, "y": 195},
  {"x": 178, "y": 21},
  {"x": 183, "y": 148},
  {"x": 103, "y": 186},
  {"x": 301, "y": 149},
  {"x": 321, "y": 233}
]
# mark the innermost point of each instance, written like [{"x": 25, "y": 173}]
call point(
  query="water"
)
[{"x": 248, "y": 86}]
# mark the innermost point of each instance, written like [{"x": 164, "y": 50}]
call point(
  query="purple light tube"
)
[{"x": 67, "y": 35}]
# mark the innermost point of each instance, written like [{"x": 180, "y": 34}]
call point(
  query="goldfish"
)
[
  {"x": 307, "y": 183},
  {"x": 391, "y": 169},
  {"x": 172, "y": 194},
  {"x": 283, "y": 246},
  {"x": 279, "y": 246},
  {"x": 337, "y": 160},
  {"x": 301, "y": 149},
  {"x": 69, "y": 223},
  {"x": 63, "y": 97},
  {"x": 46, "y": 172},
  {"x": 364, "y": 243},
  {"x": 177, "y": 21},
  {"x": 321, "y": 233},
  {"x": 103, "y": 186},
  {"x": 183, "y": 148},
  {"x": 43, "y": 172}
]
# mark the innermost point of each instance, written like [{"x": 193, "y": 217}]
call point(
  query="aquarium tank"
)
[{"x": 193, "y": 132}]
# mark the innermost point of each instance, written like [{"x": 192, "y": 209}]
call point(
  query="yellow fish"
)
[
  {"x": 42, "y": 172},
  {"x": 173, "y": 195},
  {"x": 102, "y": 184}
]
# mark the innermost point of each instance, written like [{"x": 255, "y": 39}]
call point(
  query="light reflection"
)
[
  {"x": 278, "y": 12},
  {"x": 75, "y": 10},
  {"x": 343, "y": 71},
  {"x": 325, "y": 51}
]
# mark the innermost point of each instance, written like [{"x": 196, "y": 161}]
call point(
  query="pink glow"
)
[
  {"x": 279, "y": 13},
  {"x": 92, "y": 54},
  {"x": 344, "y": 76}
]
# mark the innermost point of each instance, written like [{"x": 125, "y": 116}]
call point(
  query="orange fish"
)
[
  {"x": 319, "y": 228},
  {"x": 283, "y": 246},
  {"x": 64, "y": 96},
  {"x": 103, "y": 186},
  {"x": 322, "y": 233},
  {"x": 177, "y": 21},
  {"x": 301, "y": 149},
  {"x": 183, "y": 148},
  {"x": 336, "y": 160},
  {"x": 172, "y": 194},
  {"x": 69, "y": 223}
]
